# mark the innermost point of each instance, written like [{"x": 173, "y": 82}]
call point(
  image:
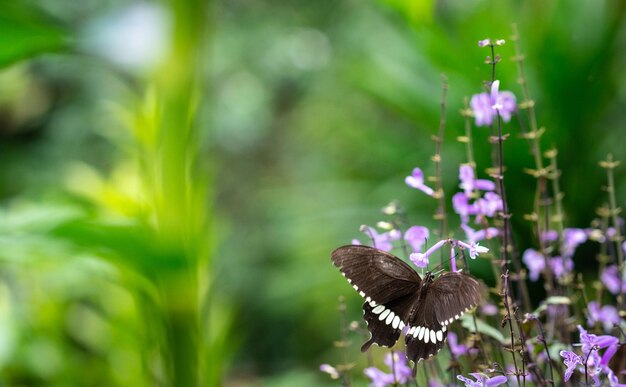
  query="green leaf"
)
[
  {"x": 467, "y": 321},
  {"x": 25, "y": 33}
]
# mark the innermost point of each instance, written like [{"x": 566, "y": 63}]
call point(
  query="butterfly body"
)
[{"x": 398, "y": 300}]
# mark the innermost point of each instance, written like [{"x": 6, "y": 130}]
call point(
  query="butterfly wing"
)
[
  {"x": 427, "y": 335},
  {"x": 456, "y": 293},
  {"x": 447, "y": 298},
  {"x": 388, "y": 284}
]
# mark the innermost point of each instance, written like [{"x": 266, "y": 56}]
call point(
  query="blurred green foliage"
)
[{"x": 213, "y": 184}]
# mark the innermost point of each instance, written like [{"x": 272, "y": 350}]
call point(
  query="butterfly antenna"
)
[{"x": 440, "y": 266}]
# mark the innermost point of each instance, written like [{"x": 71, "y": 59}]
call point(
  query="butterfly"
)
[{"x": 397, "y": 300}]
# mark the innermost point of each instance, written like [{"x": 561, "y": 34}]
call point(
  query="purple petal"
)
[
  {"x": 549, "y": 236},
  {"x": 610, "y": 279},
  {"x": 535, "y": 263},
  {"x": 496, "y": 380},
  {"x": 484, "y": 42},
  {"x": 506, "y": 103},
  {"x": 481, "y": 108},
  {"x": 416, "y": 236},
  {"x": 485, "y": 185},
  {"x": 419, "y": 259},
  {"x": 461, "y": 206},
  {"x": 466, "y": 175},
  {"x": 495, "y": 86}
]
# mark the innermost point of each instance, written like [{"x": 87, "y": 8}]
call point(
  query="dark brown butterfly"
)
[{"x": 398, "y": 300}]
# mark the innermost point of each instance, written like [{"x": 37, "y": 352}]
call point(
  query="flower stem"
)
[
  {"x": 441, "y": 210},
  {"x": 609, "y": 164}
]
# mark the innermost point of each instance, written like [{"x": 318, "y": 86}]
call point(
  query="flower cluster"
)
[
  {"x": 400, "y": 371},
  {"x": 487, "y": 106},
  {"x": 592, "y": 362},
  {"x": 560, "y": 266},
  {"x": 477, "y": 203},
  {"x": 482, "y": 380}
]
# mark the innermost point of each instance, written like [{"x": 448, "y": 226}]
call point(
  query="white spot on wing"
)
[
  {"x": 420, "y": 334},
  {"x": 361, "y": 294},
  {"x": 433, "y": 339},
  {"x": 384, "y": 314},
  {"x": 396, "y": 322},
  {"x": 439, "y": 336},
  {"x": 378, "y": 309},
  {"x": 389, "y": 318},
  {"x": 426, "y": 335}
]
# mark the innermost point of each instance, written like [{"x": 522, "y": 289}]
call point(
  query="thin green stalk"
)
[
  {"x": 440, "y": 195},
  {"x": 609, "y": 164}
]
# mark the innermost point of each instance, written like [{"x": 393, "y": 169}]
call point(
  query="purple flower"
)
[
  {"x": 474, "y": 248},
  {"x": 472, "y": 235},
  {"x": 484, "y": 42},
  {"x": 503, "y": 102},
  {"x": 456, "y": 348},
  {"x": 416, "y": 180},
  {"x": 610, "y": 279},
  {"x": 549, "y": 236},
  {"x": 573, "y": 238},
  {"x": 469, "y": 182},
  {"x": 397, "y": 362},
  {"x": 400, "y": 367},
  {"x": 482, "y": 380},
  {"x": 381, "y": 241},
  {"x": 570, "y": 360},
  {"x": 535, "y": 263},
  {"x": 607, "y": 315},
  {"x": 589, "y": 341},
  {"x": 489, "y": 204},
  {"x": 462, "y": 206},
  {"x": 330, "y": 370},
  {"x": 482, "y": 108},
  {"x": 416, "y": 236},
  {"x": 378, "y": 377},
  {"x": 486, "y": 106},
  {"x": 489, "y": 309},
  {"x": 420, "y": 260},
  {"x": 560, "y": 268}
]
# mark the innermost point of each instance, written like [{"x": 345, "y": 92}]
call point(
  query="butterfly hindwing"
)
[
  {"x": 385, "y": 322},
  {"x": 426, "y": 335}
]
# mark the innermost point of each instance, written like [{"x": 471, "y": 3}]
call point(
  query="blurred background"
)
[{"x": 188, "y": 166}]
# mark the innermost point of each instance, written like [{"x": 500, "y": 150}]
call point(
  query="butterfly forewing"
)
[
  {"x": 389, "y": 286},
  {"x": 380, "y": 276}
]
